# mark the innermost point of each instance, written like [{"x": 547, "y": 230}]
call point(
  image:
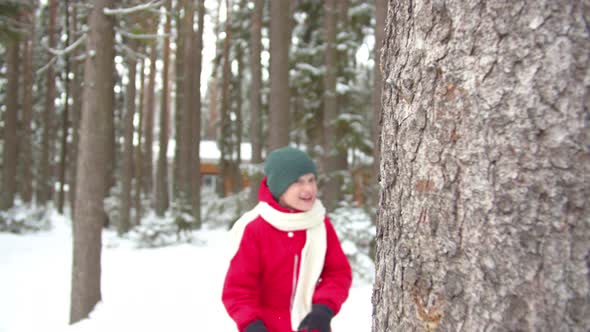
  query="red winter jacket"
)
[{"x": 259, "y": 282}]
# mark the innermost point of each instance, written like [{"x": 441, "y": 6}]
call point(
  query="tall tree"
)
[
  {"x": 196, "y": 158},
  {"x": 162, "y": 194},
  {"x": 65, "y": 116},
  {"x": 255, "y": 97},
  {"x": 380, "y": 14},
  {"x": 483, "y": 219},
  {"x": 44, "y": 182},
  {"x": 92, "y": 171},
  {"x": 280, "y": 35},
  {"x": 127, "y": 163},
  {"x": 26, "y": 148},
  {"x": 10, "y": 154},
  {"x": 148, "y": 124},
  {"x": 186, "y": 135},
  {"x": 225, "y": 137},
  {"x": 76, "y": 83},
  {"x": 330, "y": 160}
]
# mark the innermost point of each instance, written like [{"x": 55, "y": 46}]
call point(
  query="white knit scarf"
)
[{"x": 312, "y": 255}]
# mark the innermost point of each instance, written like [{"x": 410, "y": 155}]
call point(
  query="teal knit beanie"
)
[{"x": 284, "y": 166}]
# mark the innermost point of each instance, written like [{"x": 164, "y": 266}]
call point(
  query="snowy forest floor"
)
[{"x": 169, "y": 288}]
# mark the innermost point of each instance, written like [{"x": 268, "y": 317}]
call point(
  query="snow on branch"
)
[
  {"x": 69, "y": 48},
  {"x": 138, "y": 8},
  {"x": 49, "y": 64},
  {"x": 130, "y": 35}
]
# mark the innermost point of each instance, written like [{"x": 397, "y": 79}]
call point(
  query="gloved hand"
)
[
  {"x": 256, "y": 326},
  {"x": 317, "y": 320}
]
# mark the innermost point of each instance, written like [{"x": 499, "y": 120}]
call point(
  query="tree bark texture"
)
[
  {"x": 44, "y": 182},
  {"x": 26, "y": 149},
  {"x": 148, "y": 126},
  {"x": 196, "y": 150},
  {"x": 280, "y": 35},
  {"x": 162, "y": 192},
  {"x": 124, "y": 223},
  {"x": 10, "y": 153},
  {"x": 484, "y": 221},
  {"x": 255, "y": 97},
  {"x": 92, "y": 171}
]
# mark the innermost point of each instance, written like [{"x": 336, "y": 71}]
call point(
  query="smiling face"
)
[{"x": 301, "y": 194}]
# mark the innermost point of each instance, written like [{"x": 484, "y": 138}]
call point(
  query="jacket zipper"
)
[{"x": 294, "y": 286}]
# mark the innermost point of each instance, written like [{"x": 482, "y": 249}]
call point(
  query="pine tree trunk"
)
[
  {"x": 45, "y": 177},
  {"x": 256, "y": 98},
  {"x": 92, "y": 168},
  {"x": 380, "y": 15},
  {"x": 179, "y": 89},
  {"x": 280, "y": 35},
  {"x": 26, "y": 153},
  {"x": 76, "y": 84},
  {"x": 65, "y": 117},
  {"x": 162, "y": 199},
  {"x": 483, "y": 222},
  {"x": 127, "y": 163},
  {"x": 10, "y": 153},
  {"x": 139, "y": 152},
  {"x": 148, "y": 125},
  {"x": 225, "y": 138},
  {"x": 186, "y": 145},
  {"x": 196, "y": 158},
  {"x": 330, "y": 160}
]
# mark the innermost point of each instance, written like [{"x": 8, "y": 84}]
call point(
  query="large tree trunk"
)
[
  {"x": 186, "y": 146},
  {"x": 45, "y": 178},
  {"x": 483, "y": 222},
  {"x": 95, "y": 139},
  {"x": 162, "y": 199},
  {"x": 139, "y": 152},
  {"x": 10, "y": 153},
  {"x": 65, "y": 117},
  {"x": 127, "y": 164},
  {"x": 26, "y": 148},
  {"x": 280, "y": 35},
  {"x": 76, "y": 89},
  {"x": 256, "y": 98},
  {"x": 148, "y": 126},
  {"x": 380, "y": 15},
  {"x": 196, "y": 158},
  {"x": 330, "y": 157}
]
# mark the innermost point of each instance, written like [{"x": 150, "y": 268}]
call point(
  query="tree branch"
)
[
  {"x": 125, "y": 11},
  {"x": 139, "y": 36},
  {"x": 69, "y": 48}
]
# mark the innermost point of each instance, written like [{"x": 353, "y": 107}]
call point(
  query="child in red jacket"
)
[{"x": 288, "y": 271}]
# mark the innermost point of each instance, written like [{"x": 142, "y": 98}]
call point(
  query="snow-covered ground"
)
[{"x": 173, "y": 288}]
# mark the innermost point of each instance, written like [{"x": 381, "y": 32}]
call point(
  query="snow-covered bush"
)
[
  {"x": 356, "y": 233},
  {"x": 24, "y": 218}
]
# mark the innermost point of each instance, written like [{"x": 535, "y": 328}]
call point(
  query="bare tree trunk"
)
[
  {"x": 380, "y": 15},
  {"x": 179, "y": 89},
  {"x": 148, "y": 125},
  {"x": 256, "y": 98},
  {"x": 65, "y": 118},
  {"x": 127, "y": 164},
  {"x": 10, "y": 153},
  {"x": 198, "y": 59},
  {"x": 26, "y": 153},
  {"x": 139, "y": 152},
  {"x": 280, "y": 35},
  {"x": 186, "y": 144},
  {"x": 225, "y": 137},
  {"x": 45, "y": 178},
  {"x": 330, "y": 161},
  {"x": 483, "y": 222},
  {"x": 162, "y": 199},
  {"x": 76, "y": 114},
  {"x": 92, "y": 173}
]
